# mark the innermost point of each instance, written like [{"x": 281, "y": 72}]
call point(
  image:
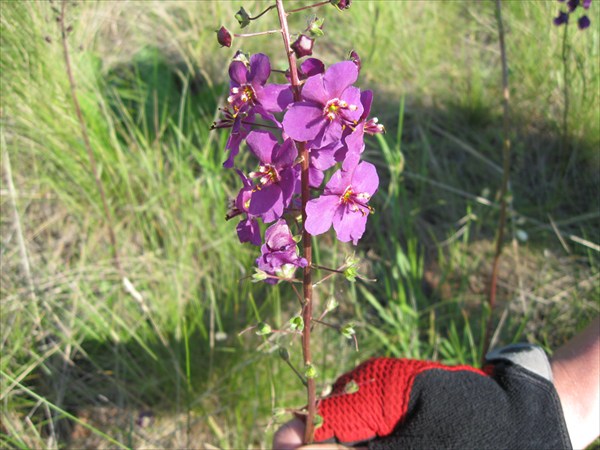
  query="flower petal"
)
[
  {"x": 267, "y": 203},
  {"x": 249, "y": 231},
  {"x": 238, "y": 72},
  {"x": 262, "y": 143},
  {"x": 275, "y": 97},
  {"x": 285, "y": 154},
  {"x": 314, "y": 91},
  {"x": 338, "y": 77},
  {"x": 303, "y": 121},
  {"x": 260, "y": 69},
  {"x": 349, "y": 225},
  {"x": 352, "y": 97},
  {"x": 365, "y": 178},
  {"x": 319, "y": 214}
]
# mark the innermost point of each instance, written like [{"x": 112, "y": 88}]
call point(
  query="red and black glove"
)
[{"x": 405, "y": 404}]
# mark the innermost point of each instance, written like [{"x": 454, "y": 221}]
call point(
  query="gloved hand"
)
[{"x": 402, "y": 404}]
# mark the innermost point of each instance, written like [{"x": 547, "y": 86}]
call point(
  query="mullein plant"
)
[{"x": 297, "y": 131}]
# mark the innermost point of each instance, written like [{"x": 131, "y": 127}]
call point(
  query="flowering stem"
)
[
  {"x": 505, "y": 177},
  {"x": 315, "y": 5},
  {"x": 259, "y": 33},
  {"x": 306, "y": 238}
]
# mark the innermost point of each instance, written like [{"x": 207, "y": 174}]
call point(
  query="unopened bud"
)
[
  {"x": 351, "y": 387},
  {"x": 332, "y": 303},
  {"x": 315, "y": 27},
  {"x": 263, "y": 328},
  {"x": 297, "y": 323},
  {"x": 341, "y": 4},
  {"x": 258, "y": 275},
  {"x": 303, "y": 46},
  {"x": 242, "y": 17},
  {"x": 278, "y": 412},
  {"x": 348, "y": 330},
  {"x": 310, "y": 371},
  {"x": 284, "y": 354},
  {"x": 355, "y": 59},
  {"x": 318, "y": 421},
  {"x": 224, "y": 37}
]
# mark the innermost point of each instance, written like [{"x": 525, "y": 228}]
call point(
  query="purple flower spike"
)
[
  {"x": 586, "y": 4},
  {"x": 572, "y": 5},
  {"x": 279, "y": 255},
  {"x": 583, "y": 22},
  {"x": 330, "y": 102},
  {"x": 277, "y": 175},
  {"x": 344, "y": 204},
  {"x": 563, "y": 17}
]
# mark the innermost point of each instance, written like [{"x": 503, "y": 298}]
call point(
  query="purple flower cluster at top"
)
[
  {"x": 331, "y": 119},
  {"x": 563, "y": 16}
]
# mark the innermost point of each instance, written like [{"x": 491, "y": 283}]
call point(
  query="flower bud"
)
[
  {"x": 341, "y": 4},
  {"x": 297, "y": 323},
  {"x": 263, "y": 328},
  {"x": 583, "y": 22},
  {"x": 355, "y": 59},
  {"x": 348, "y": 330},
  {"x": 242, "y": 17},
  {"x": 303, "y": 46},
  {"x": 224, "y": 37},
  {"x": 259, "y": 275},
  {"x": 315, "y": 27},
  {"x": 351, "y": 387},
  {"x": 563, "y": 17},
  {"x": 284, "y": 354},
  {"x": 310, "y": 371},
  {"x": 318, "y": 421},
  {"x": 332, "y": 303}
]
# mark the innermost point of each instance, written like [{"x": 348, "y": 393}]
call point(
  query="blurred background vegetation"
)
[{"x": 88, "y": 364}]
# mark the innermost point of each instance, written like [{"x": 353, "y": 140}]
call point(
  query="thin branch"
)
[
  {"x": 315, "y": 5},
  {"x": 86, "y": 140},
  {"x": 258, "y": 33},
  {"x": 505, "y": 177},
  {"x": 264, "y": 12}
]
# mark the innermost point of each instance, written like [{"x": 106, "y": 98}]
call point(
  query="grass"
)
[{"x": 83, "y": 359}]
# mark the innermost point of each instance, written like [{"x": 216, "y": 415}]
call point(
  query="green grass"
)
[{"x": 82, "y": 357}]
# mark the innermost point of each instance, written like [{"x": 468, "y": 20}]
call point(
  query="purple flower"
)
[
  {"x": 586, "y": 4},
  {"x": 248, "y": 229},
  {"x": 279, "y": 255},
  {"x": 572, "y": 5},
  {"x": 583, "y": 22},
  {"x": 330, "y": 102},
  {"x": 344, "y": 203},
  {"x": 247, "y": 86},
  {"x": 355, "y": 59},
  {"x": 562, "y": 17},
  {"x": 276, "y": 175}
]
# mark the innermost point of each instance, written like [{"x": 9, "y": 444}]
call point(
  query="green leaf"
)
[
  {"x": 351, "y": 387},
  {"x": 348, "y": 330},
  {"x": 310, "y": 371}
]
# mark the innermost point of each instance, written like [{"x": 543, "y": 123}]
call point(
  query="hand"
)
[
  {"x": 398, "y": 403},
  {"x": 290, "y": 435}
]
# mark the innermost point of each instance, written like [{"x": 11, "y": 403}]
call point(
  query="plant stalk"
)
[
  {"x": 306, "y": 237},
  {"x": 86, "y": 140},
  {"x": 505, "y": 178}
]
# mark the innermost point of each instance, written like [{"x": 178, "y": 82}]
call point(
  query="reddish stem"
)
[{"x": 306, "y": 238}]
